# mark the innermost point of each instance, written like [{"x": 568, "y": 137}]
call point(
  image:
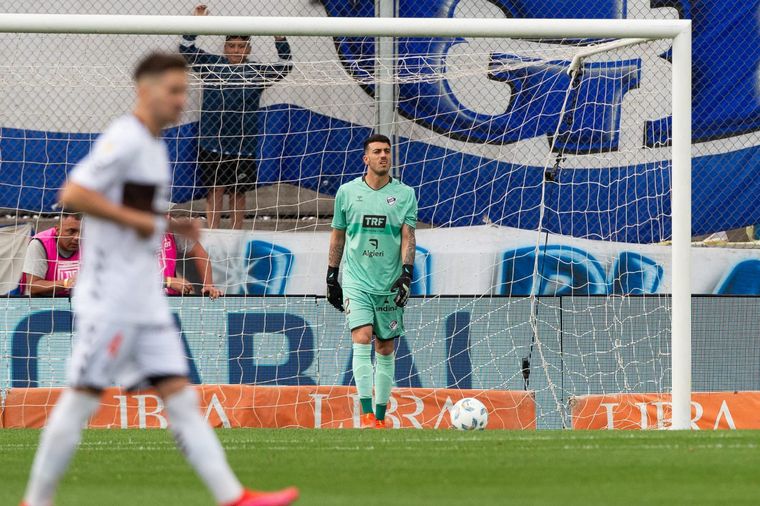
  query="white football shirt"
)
[{"x": 120, "y": 279}]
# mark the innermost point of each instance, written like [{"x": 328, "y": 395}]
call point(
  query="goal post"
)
[
  {"x": 626, "y": 32},
  {"x": 681, "y": 249}
]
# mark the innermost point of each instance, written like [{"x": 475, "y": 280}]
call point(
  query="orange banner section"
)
[
  {"x": 270, "y": 406},
  {"x": 709, "y": 411}
]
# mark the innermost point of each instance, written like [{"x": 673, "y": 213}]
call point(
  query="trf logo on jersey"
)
[
  {"x": 391, "y": 200},
  {"x": 392, "y": 325},
  {"x": 373, "y": 221}
]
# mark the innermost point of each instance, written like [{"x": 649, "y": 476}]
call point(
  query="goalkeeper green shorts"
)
[{"x": 362, "y": 308}]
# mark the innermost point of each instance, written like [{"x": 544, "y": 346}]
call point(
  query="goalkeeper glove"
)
[
  {"x": 334, "y": 290},
  {"x": 403, "y": 285}
]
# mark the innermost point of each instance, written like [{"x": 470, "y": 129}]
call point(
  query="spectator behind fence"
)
[
  {"x": 232, "y": 88},
  {"x": 177, "y": 285},
  {"x": 43, "y": 276},
  {"x": 51, "y": 263}
]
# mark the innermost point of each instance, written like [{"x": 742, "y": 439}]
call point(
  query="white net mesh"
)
[{"x": 542, "y": 196}]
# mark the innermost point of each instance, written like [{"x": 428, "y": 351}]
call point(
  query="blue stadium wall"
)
[{"x": 34, "y": 163}]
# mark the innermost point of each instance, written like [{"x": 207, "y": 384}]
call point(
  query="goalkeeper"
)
[{"x": 375, "y": 217}]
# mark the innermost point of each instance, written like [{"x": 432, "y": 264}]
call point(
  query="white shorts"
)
[{"x": 124, "y": 354}]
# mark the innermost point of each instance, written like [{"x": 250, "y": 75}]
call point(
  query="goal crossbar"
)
[{"x": 306, "y": 26}]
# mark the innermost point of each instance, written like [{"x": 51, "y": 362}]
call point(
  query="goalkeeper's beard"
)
[{"x": 380, "y": 171}]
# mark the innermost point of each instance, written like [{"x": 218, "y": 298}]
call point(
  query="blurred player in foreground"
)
[
  {"x": 126, "y": 334},
  {"x": 375, "y": 217}
]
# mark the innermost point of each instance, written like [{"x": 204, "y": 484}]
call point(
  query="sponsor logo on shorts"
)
[
  {"x": 374, "y": 221},
  {"x": 391, "y": 200},
  {"x": 392, "y": 325}
]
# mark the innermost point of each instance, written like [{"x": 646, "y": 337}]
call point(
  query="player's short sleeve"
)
[
  {"x": 339, "y": 212},
  {"x": 410, "y": 218},
  {"x": 100, "y": 168},
  {"x": 35, "y": 260}
]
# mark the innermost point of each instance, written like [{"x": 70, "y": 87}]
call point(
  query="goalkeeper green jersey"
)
[{"x": 372, "y": 220}]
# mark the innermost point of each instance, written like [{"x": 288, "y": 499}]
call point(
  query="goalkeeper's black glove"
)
[
  {"x": 334, "y": 290},
  {"x": 403, "y": 285}
]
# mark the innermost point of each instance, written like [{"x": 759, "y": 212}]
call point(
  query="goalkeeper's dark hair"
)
[
  {"x": 158, "y": 63},
  {"x": 244, "y": 38},
  {"x": 376, "y": 138}
]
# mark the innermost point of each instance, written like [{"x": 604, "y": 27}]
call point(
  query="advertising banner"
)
[
  {"x": 487, "y": 260},
  {"x": 709, "y": 411},
  {"x": 232, "y": 406},
  {"x": 479, "y": 260},
  {"x": 287, "y": 341}
]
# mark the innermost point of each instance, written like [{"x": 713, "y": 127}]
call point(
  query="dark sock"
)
[
  {"x": 380, "y": 411},
  {"x": 367, "y": 405}
]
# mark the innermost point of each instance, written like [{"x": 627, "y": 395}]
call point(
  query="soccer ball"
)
[{"x": 469, "y": 414}]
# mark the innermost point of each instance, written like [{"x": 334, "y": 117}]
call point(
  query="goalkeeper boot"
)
[
  {"x": 282, "y": 497},
  {"x": 368, "y": 421},
  {"x": 380, "y": 424}
]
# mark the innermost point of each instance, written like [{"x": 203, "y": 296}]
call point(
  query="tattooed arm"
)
[
  {"x": 337, "y": 243},
  {"x": 403, "y": 284},
  {"x": 408, "y": 245}
]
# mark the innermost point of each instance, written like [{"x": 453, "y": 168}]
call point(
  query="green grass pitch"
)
[{"x": 394, "y": 467}]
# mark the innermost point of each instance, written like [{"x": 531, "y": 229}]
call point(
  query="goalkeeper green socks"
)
[
  {"x": 362, "y": 365},
  {"x": 380, "y": 411},
  {"x": 385, "y": 373}
]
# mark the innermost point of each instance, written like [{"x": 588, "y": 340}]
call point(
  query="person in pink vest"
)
[
  {"x": 171, "y": 248},
  {"x": 51, "y": 263}
]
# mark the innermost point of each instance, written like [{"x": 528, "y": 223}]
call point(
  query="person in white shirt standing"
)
[{"x": 126, "y": 334}]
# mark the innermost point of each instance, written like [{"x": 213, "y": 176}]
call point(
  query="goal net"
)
[{"x": 543, "y": 167}]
